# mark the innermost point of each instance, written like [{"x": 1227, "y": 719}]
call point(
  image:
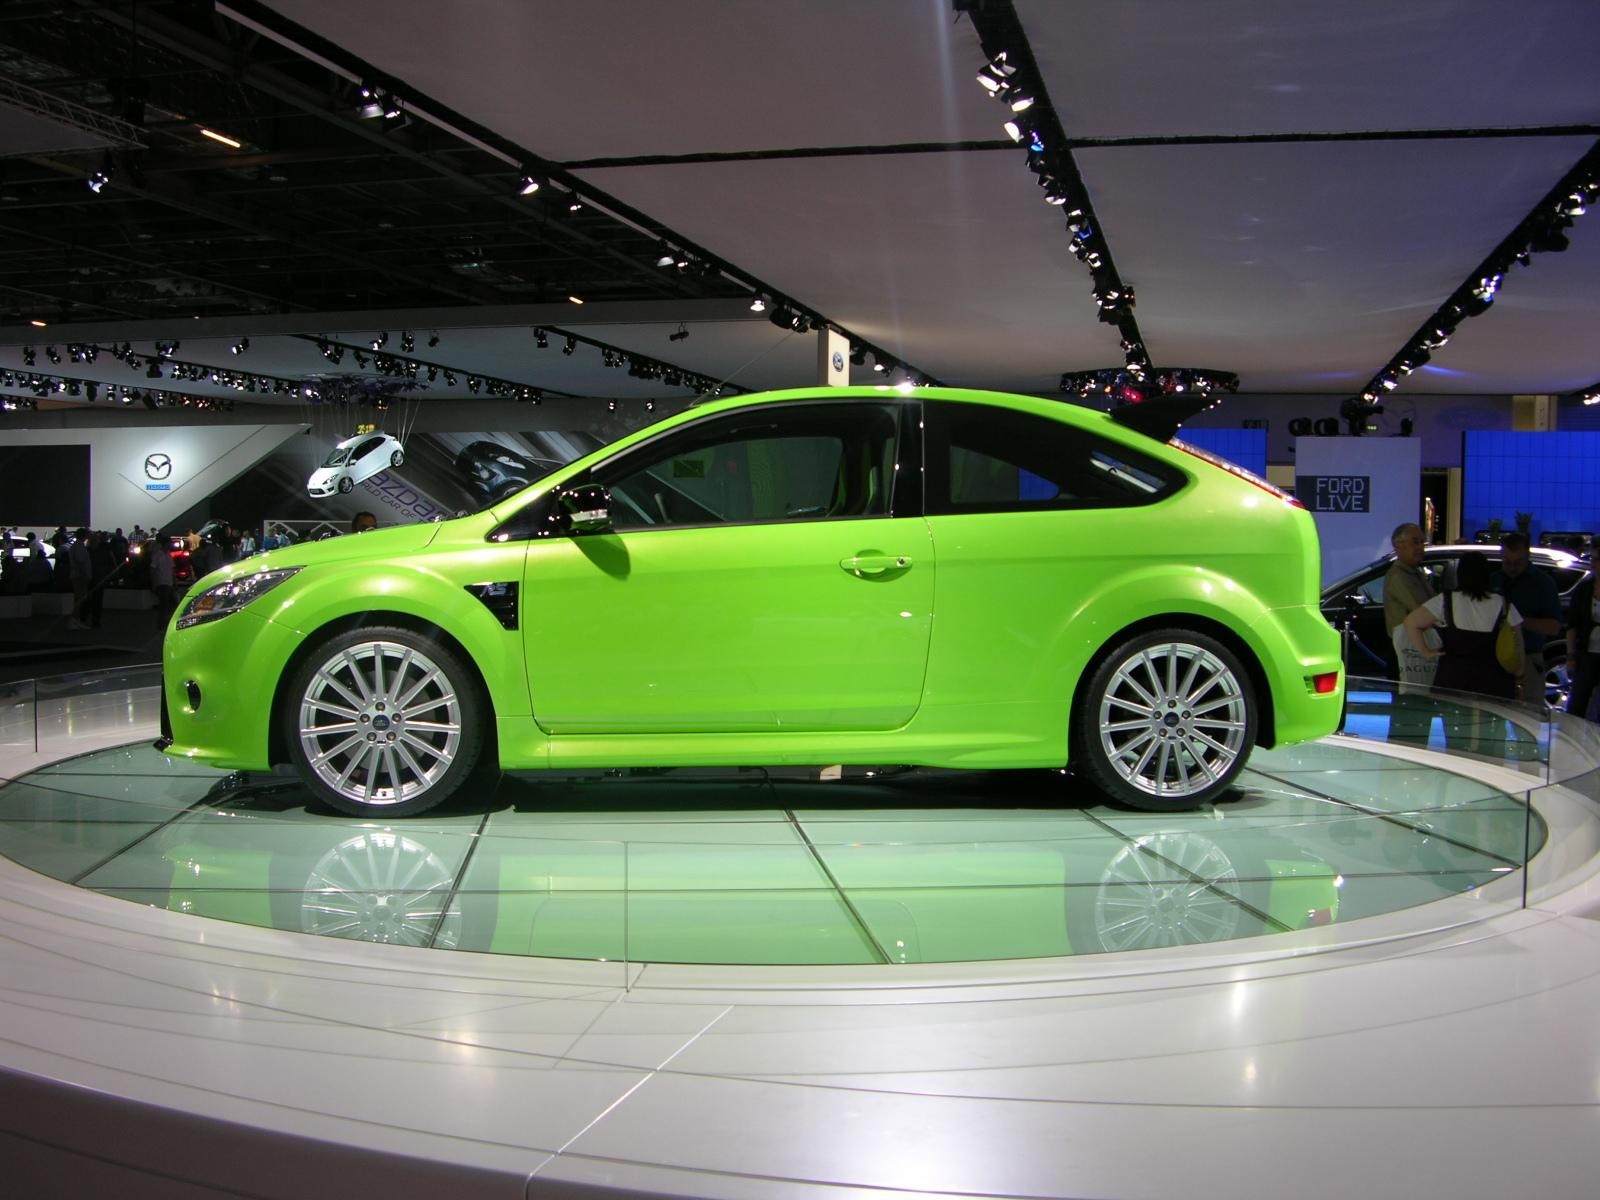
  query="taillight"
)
[
  {"x": 1233, "y": 468},
  {"x": 1325, "y": 683}
]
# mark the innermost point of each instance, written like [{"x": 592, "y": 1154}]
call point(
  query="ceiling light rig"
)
[
  {"x": 1128, "y": 385},
  {"x": 405, "y": 367},
  {"x": 1542, "y": 231},
  {"x": 1012, "y": 77}
]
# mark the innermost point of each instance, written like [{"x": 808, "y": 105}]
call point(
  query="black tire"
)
[
  {"x": 1168, "y": 756},
  {"x": 384, "y": 722},
  {"x": 346, "y": 485},
  {"x": 398, "y": 457}
]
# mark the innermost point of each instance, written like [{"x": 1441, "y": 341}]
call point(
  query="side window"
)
[
  {"x": 367, "y": 447},
  {"x": 1566, "y": 578},
  {"x": 805, "y": 461},
  {"x": 1372, "y": 589},
  {"x": 986, "y": 459}
]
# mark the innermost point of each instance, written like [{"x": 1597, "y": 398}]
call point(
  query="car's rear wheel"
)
[
  {"x": 1166, "y": 721},
  {"x": 398, "y": 457},
  {"x": 384, "y": 721}
]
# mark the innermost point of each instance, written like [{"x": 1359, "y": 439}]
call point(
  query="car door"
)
[
  {"x": 1029, "y": 516},
  {"x": 763, "y": 572}
]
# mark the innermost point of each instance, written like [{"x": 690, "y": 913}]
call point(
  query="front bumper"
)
[{"x": 233, "y": 665}]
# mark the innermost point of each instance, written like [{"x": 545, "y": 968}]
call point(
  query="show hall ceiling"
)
[{"x": 1259, "y": 172}]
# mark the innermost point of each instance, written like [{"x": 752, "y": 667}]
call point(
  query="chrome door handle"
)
[{"x": 866, "y": 566}]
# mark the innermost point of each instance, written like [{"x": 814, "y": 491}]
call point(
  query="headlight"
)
[{"x": 231, "y": 596}]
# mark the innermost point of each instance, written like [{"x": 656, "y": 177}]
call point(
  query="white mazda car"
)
[{"x": 355, "y": 460}]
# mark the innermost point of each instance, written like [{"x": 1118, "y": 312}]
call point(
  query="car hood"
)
[
  {"x": 324, "y": 474},
  {"x": 376, "y": 543}
]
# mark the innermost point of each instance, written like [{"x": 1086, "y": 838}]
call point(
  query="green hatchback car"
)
[{"x": 821, "y": 576}]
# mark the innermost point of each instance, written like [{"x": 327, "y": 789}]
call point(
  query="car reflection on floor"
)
[{"x": 737, "y": 866}]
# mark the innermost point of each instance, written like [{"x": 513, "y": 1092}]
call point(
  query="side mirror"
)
[{"x": 585, "y": 508}]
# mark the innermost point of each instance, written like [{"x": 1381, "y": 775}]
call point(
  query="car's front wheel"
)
[
  {"x": 346, "y": 485},
  {"x": 1166, "y": 721},
  {"x": 384, "y": 721}
]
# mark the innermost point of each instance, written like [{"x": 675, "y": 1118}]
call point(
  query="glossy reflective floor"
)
[{"x": 741, "y": 867}]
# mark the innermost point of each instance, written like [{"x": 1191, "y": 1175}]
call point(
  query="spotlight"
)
[
  {"x": 153, "y": 371},
  {"x": 102, "y": 176},
  {"x": 858, "y": 356},
  {"x": 649, "y": 406},
  {"x": 569, "y": 345},
  {"x": 680, "y": 335},
  {"x": 541, "y": 338},
  {"x": 27, "y": 356},
  {"x": 759, "y": 303},
  {"x": 91, "y": 391},
  {"x": 433, "y": 340},
  {"x": 667, "y": 260},
  {"x": 382, "y": 340},
  {"x": 530, "y": 184},
  {"x": 240, "y": 346},
  {"x": 1013, "y": 131},
  {"x": 407, "y": 342},
  {"x": 611, "y": 406},
  {"x": 52, "y": 355},
  {"x": 1549, "y": 239},
  {"x": 377, "y": 102}
]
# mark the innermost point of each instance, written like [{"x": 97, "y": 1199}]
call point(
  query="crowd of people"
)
[
  {"x": 1491, "y": 632},
  {"x": 86, "y": 562}
]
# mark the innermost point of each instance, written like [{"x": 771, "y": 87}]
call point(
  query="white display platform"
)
[{"x": 1449, "y": 1049}]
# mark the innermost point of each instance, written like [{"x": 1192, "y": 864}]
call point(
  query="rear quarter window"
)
[{"x": 987, "y": 459}]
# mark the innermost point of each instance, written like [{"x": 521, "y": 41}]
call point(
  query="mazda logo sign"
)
[{"x": 157, "y": 466}]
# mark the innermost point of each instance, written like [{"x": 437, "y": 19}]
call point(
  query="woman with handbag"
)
[
  {"x": 1469, "y": 620},
  {"x": 1481, "y": 653}
]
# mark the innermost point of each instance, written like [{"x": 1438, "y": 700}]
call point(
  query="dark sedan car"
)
[
  {"x": 1358, "y": 600},
  {"x": 492, "y": 471}
]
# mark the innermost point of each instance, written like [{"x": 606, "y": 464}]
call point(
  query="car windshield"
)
[{"x": 340, "y": 456}]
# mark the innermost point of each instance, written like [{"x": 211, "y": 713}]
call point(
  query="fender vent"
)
[{"x": 498, "y": 598}]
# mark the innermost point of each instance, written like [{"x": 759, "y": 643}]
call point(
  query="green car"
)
[{"x": 821, "y": 576}]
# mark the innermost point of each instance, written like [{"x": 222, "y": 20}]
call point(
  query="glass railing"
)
[{"x": 1432, "y": 811}]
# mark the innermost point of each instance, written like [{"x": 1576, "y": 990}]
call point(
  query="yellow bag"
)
[{"x": 1508, "y": 646}]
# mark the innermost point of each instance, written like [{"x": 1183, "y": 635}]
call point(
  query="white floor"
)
[{"x": 1452, "y": 1050}]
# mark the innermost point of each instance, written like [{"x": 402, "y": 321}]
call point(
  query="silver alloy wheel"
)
[
  {"x": 381, "y": 886},
  {"x": 1170, "y": 889},
  {"x": 1172, "y": 719},
  {"x": 379, "y": 723}
]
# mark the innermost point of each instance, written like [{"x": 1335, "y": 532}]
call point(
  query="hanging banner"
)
[{"x": 1358, "y": 489}]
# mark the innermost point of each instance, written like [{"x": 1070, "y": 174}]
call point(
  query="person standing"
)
[
  {"x": 1468, "y": 621},
  {"x": 80, "y": 575},
  {"x": 161, "y": 577},
  {"x": 102, "y": 565},
  {"x": 1583, "y": 647},
  {"x": 1406, "y": 589},
  {"x": 1534, "y": 593}
]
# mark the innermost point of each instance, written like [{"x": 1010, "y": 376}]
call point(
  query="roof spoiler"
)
[{"x": 1160, "y": 417}]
